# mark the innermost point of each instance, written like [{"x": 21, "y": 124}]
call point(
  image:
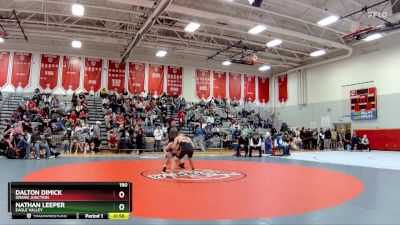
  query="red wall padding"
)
[{"x": 387, "y": 139}]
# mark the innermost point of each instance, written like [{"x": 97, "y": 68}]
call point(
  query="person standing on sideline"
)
[
  {"x": 158, "y": 135},
  {"x": 334, "y": 139},
  {"x": 97, "y": 136},
  {"x": 327, "y": 139},
  {"x": 268, "y": 142},
  {"x": 172, "y": 132},
  {"x": 255, "y": 143},
  {"x": 321, "y": 135},
  {"x": 198, "y": 139}
]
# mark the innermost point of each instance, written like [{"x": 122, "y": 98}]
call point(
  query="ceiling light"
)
[
  {"x": 318, "y": 53},
  {"x": 161, "y": 53},
  {"x": 257, "y": 29},
  {"x": 227, "y": 63},
  {"x": 328, "y": 20},
  {"x": 264, "y": 68},
  {"x": 1, "y": 40},
  {"x": 274, "y": 43},
  {"x": 192, "y": 27},
  {"x": 78, "y": 9},
  {"x": 373, "y": 37},
  {"x": 76, "y": 44}
]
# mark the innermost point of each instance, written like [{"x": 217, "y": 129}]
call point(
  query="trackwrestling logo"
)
[{"x": 200, "y": 176}]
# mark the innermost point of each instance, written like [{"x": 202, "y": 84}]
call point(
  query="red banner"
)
[
  {"x": 283, "y": 88},
  {"x": 250, "y": 87},
  {"x": 71, "y": 75},
  {"x": 156, "y": 79},
  {"x": 203, "y": 83},
  {"x": 235, "y": 86},
  {"x": 21, "y": 72},
  {"x": 136, "y": 78},
  {"x": 263, "y": 89},
  {"x": 116, "y": 76},
  {"x": 4, "y": 62},
  {"x": 49, "y": 71},
  {"x": 92, "y": 77},
  {"x": 219, "y": 84},
  {"x": 174, "y": 81}
]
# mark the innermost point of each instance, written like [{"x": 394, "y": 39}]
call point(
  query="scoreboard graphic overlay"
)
[
  {"x": 364, "y": 104},
  {"x": 70, "y": 200}
]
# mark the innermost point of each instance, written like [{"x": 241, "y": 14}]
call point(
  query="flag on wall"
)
[
  {"x": 235, "y": 86},
  {"x": 174, "y": 80},
  {"x": 21, "y": 71},
  {"x": 71, "y": 74},
  {"x": 263, "y": 89},
  {"x": 49, "y": 66},
  {"x": 136, "y": 78},
  {"x": 4, "y": 62},
  {"x": 116, "y": 76},
  {"x": 203, "y": 83},
  {"x": 219, "y": 84},
  {"x": 92, "y": 76},
  {"x": 156, "y": 79},
  {"x": 250, "y": 87},
  {"x": 283, "y": 88}
]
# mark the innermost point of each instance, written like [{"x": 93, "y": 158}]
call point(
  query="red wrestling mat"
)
[{"x": 219, "y": 190}]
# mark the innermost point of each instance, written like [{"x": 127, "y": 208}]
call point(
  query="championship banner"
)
[
  {"x": 21, "y": 71},
  {"x": 4, "y": 62},
  {"x": 219, "y": 84},
  {"x": 283, "y": 88},
  {"x": 71, "y": 75},
  {"x": 156, "y": 79},
  {"x": 235, "y": 86},
  {"x": 49, "y": 71},
  {"x": 136, "y": 78},
  {"x": 92, "y": 77},
  {"x": 250, "y": 87},
  {"x": 116, "y": 76},
  {"x": 263, "y": 89},
  {"x": 203, "y": 90},
  {"x": 174, "y": 80}
]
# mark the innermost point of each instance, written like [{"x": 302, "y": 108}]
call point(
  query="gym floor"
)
[{"x": 302, "y": 189}]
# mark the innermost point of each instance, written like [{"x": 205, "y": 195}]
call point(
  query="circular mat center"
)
[{"x": 219, "y": 190}]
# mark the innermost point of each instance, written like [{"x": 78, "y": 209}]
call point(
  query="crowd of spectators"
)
[
  {"x": 31, "y": 130},
  {"x": 131, "y": 119}
]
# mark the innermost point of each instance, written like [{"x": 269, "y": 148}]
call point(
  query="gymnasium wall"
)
[
  {"x": 328, "y": 93},
  {"x": 189, "y": 65}
]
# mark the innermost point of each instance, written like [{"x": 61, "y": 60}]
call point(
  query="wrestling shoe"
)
[
  {"x": 182, "y": 165},
  {"x": 164, "y": 169}
]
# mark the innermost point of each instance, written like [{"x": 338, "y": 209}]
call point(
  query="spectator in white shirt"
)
[
  {"x": 158, "y": 135},
  {"x": 365, "y": 143}
]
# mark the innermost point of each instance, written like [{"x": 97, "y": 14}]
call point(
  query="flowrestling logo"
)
[{"x": 197, "y": 176}]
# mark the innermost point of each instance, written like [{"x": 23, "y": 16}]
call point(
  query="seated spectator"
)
[
  {"x": 355, "y": 141},
  {"x": 365, "y": 143},
  {"x": 103, "y": 93},
  {"x": 297, "y": 141},
  {"x": 268, "y": 142},
  {"x": 243, "y": 145},
  {"x": 255, "y": 144},
  {"x": 113, "y": 141}
]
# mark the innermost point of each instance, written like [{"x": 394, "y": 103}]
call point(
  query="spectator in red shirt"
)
[
  {"x": 113, "y": 141},
  {"x": 31, "y": 105},
  {"x": 181, "y": 117},
  {"x": 73, "y": 116}
]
